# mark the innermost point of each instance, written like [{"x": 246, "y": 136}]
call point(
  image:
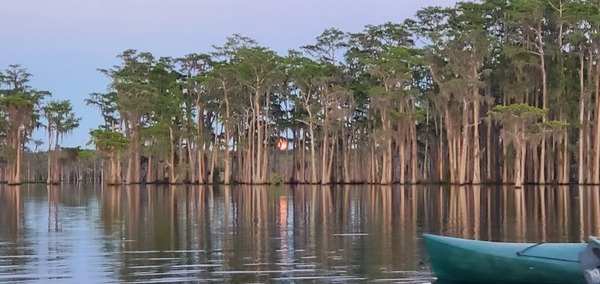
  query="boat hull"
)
[{"x": 461, "y": 260}]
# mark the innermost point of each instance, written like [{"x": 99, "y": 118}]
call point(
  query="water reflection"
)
[
  {"x": 260, "y": 234},
  {"x": 49, "y": 234}
]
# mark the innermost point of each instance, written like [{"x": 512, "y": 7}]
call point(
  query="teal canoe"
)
[{"x": 461, "y": 260}]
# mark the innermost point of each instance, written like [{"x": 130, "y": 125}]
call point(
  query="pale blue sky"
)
[{"x": 63, "y": 42}]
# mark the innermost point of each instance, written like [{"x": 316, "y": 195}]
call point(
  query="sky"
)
[{"x": 62, "y": 43}]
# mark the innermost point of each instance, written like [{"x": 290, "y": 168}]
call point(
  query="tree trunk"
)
[
  {"x": 414, "y": 154},
  {"x": 402, "y": 160},
  {"x": 373, "y": 163},
  {"x": 476, "y": 148},
  {"x": 452, "y": 149},
  {"x": 302, "y": 161},
  {"x": 440, "y": 156},
  {"x": 19, "y": 158},
  {"x": 56, "y": 172},
  {"x": 192, "y": 161},
  {"x": 582, "y": 123},
  {"x": 313, "y": 153},
  {"x": 462, "y": 168},
  {"x": 213, "y": 176},
  {"x": 227, "y": 174},
  {"x": 227, "y": 128},
  {"x": 173, "y": 176},
  {"x": 542, "y": 167},
  {"x": 213, "y": 161},
  {"x": 566, "y": 159},
  {"x": 264, "y": 143},
  {"x": 346, "y": 154},
  {"x": 488, "y": 151},
  {"x": 114, "y": 169},
  {"x": 324, "y": 162},
  {"x": 519, "y": 173},
  {"x": 258, "y": 155},
  {"x": 504, "y": 163},
  {"x": 129, "y": 176},
  {"x": 49, "y": 177},
  {"x": 386, "y": 163},
  {"x": 150, "y": 176}
]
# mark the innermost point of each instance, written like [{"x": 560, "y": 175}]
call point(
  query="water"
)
[{"x": 340, "y": 234}]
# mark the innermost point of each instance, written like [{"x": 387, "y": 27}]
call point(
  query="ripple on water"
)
[
  {"x": 234, "y": 272},
  {"x": 320, "y": 278},
  {"x": 166, "y": 273},
  {"x": 145, "y": 236}
]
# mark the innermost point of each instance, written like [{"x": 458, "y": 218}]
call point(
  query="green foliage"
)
[
  {"x": 86, "y": 154},
  {"x": 18, "y": 101},
  {"x": 275, "y": 179},
  {"x": 107, "y": 140},
  {"x": 517, "y": 111},
  {"x": 328, "y": 44},
  {"x": 548, "y": 126},
  {"x": 525, "y": 118},
  {"x": 60, "y": 116},
  {"x": 157, "y": 140},
  {"x": 106, "y": 103}
]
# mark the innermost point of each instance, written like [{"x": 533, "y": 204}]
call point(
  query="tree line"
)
[{"x": 491, "y": 91}]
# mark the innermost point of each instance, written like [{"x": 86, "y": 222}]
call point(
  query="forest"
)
[{"x": 493, "y": 91}]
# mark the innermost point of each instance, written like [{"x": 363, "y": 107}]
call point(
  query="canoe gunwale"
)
[
  {"x": 523, "y": 253},
  {"x": 549, "y": 258}
]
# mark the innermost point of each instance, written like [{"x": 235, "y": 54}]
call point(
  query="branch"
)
[
  {"x": 534, "y": 52},
  {"x": 435, "y": 78},
  {"x": 303, "y": 121},
  {"x": 554, "y": 7}
]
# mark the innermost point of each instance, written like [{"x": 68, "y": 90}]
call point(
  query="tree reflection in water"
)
[{"x": 261, "y": 233}]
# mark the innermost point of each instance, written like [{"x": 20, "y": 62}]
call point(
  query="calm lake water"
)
[{"x": 162, "y": 234}]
